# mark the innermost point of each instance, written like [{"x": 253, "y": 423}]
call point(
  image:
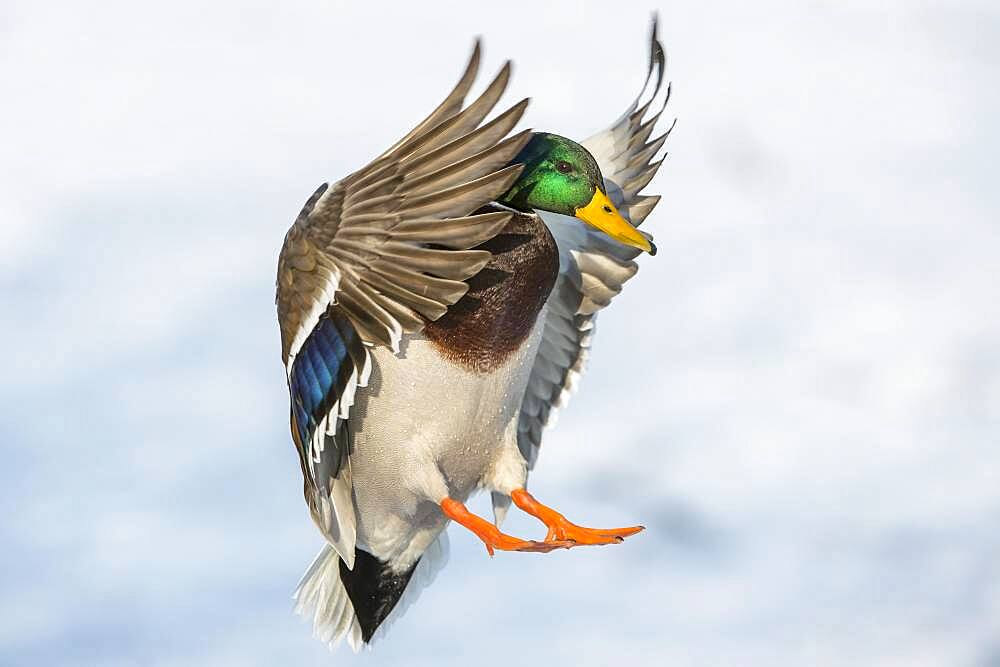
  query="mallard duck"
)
[{"x": 435, "y": 308}]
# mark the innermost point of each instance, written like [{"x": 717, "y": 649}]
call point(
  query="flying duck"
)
[{"x": 435, "y": 308}]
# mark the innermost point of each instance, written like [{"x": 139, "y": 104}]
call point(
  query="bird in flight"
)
[{"x": 436, "y": 307}]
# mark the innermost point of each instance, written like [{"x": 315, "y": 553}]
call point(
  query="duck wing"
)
[
  {"x": 379, "y": 254},
  {"x": 592, "y": 266}
]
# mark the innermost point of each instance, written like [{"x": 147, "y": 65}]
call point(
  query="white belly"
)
[{"x": 421, "y": 420}]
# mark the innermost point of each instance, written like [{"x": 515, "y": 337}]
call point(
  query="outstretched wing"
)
[
  {"x": 376, "y": 255},
  {"x": 592, "y": 266}
]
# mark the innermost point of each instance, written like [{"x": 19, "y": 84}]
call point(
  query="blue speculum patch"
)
[{"x": 318, "y": 374}]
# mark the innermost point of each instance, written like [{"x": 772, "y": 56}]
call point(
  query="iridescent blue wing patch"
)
[{"x": 329, "y": 360}]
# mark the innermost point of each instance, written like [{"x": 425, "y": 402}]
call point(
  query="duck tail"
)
[{"x": 360, "y": 604}]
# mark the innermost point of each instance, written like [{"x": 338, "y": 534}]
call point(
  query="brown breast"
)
[{"x": 497, "y": 313}]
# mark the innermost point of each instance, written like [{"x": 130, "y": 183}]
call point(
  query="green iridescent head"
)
[{"x": 561, "y": 176}]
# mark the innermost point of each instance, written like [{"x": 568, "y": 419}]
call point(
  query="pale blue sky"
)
[{"x": 799, "y": 396}]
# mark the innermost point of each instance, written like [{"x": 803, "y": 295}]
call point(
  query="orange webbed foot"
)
[
  {"x": 491, "y": 535},
  {"x": 562, "y": 529},
  {"x": 565, "y": 530}
]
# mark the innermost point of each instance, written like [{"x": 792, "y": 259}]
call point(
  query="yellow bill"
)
[{"x": 601, "y": 213}]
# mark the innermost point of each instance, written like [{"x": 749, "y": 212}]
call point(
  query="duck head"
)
[{"x": 561, "y": 176}]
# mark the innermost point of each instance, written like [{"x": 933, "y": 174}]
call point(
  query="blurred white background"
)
[{"x": 799, "y": 396}]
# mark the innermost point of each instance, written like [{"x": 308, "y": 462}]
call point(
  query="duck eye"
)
[{"x": 563, "y": 167}]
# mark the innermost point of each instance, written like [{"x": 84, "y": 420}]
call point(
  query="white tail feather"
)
[{"x": 321, "y": 596}]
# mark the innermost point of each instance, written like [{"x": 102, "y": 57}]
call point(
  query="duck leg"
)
[
  {"x": 491, "y": 535},
  {"x": 561, "y": 529}
]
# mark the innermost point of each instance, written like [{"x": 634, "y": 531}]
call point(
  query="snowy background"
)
[{"x": 799, "y": 396}]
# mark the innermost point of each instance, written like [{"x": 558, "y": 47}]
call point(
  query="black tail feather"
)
[{"x": 374, "y": 589}]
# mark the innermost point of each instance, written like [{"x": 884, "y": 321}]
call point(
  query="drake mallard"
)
[{"x": 436, "y": 307}]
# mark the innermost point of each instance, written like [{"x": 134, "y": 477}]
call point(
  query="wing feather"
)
[
  {"x": 592, "y": 266},
  {"x": 377, "y": 255}
]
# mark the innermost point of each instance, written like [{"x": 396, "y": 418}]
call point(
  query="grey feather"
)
[
  {"x": 382, "y": 252},
  {"x": 449, "y": 106},
  {"x": 593, "y": 267}
]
